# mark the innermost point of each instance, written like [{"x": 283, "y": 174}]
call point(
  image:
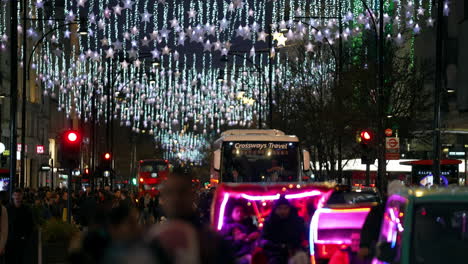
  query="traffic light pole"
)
[
  {"x": 69, "y": 187},
  {"x": 367, "y": 174}
]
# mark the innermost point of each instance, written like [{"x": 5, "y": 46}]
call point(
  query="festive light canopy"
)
[{"x": 186, "y": 68}]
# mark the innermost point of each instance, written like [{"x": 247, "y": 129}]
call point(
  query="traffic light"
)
[
  {"x": 86, "y": 173},
  {"x": 106, "y": 161},
  {"x": 366, "y": 138},
  {"x": 70, "y": 149}
]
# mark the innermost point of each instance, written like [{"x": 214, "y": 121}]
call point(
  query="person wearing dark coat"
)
[
  {"x": 177, "y": 200},
  {"x": 240, "y": 231},
  {"x": 20, "y": 230},
  {"x": 283, "y": 233}
]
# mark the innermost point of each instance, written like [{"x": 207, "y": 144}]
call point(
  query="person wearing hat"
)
[{"x": 283, "y": 233}]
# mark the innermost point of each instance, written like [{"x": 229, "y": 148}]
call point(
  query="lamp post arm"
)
[{"x": 43, "y": 37}]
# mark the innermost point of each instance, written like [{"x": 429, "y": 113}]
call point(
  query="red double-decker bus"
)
[{"x": 151, "y": 173}]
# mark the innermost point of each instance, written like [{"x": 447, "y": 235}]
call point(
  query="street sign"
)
[
  {"x": 392, "y": 148},
  {"x": 40, "y": 149},
  {"x": 388, "y": 132}
]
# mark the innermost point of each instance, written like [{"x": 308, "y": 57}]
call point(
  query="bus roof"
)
[{"x": 255, "y": 135}]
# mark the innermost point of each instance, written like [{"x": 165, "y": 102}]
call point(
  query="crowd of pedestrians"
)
[{"x": 126, "y": 227}]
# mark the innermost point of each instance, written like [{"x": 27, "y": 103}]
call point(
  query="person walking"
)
[
  {"x": 20, "y": 230},
  {"x": 177, "y": 200}
]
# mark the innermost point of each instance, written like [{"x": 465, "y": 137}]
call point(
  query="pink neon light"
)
[
  {"x": 302, "y": 195},
  {"x": 260, "y": 197},
  {"x": 347, "y": 210},
  {"x": 221, "y": 211},
  {"x": 333, "y": 242}
]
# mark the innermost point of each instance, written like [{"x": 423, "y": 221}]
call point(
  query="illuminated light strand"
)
[{"x": 222, "y": 210}]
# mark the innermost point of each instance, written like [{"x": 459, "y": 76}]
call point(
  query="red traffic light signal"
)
[
  {"x": 70, "y": 149},
  {"x": 366, "y": 136},
  {"x": 72, "y": 136},
  {"x": 107, "y": 156}
]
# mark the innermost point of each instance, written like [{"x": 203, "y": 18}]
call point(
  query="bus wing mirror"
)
[
  {"x": 217, "y": 160},
  {"x": 306, "y": 161}
]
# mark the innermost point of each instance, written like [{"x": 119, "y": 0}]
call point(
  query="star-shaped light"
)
[
  {"x": 181, "y": 38},
  {"x": 101, "y": 24},
  {"x": 124, "y": 64},
  {"x": 164, "y": 33},
  {"x": 39, "y": 4},
  {"x": 70, "y": 16},
  {"x": 255, "y": 27},
  {"x": 421, "y": 11},
  {"x": 207, "y": 46},
  {"x": 174, "y": 23},
  {"x": 309, "y": 47},
  {"x": 176, "y": 57},
  {"x": 110, "y": 53},
  {"x": 154, "y": 35},
  {"x": 192, "y": 13},
  {"x": 240, "y": 31},
  {"x": 163, "y": 2},
  {"x": 126, "y": 35},
  {"x": 92, "y": 18},
  {"x": 137, "y": 63},
  {"x": 134, "y": 30},
  {"x": 223, "y": 24},
  {"x": 145, "y": 41},
  {"x": 82, "y": 57},
  {"x": 128, "y": 4},
  {"x": 416, "y": 29},
  {"x": 132, "y": 53},
  {"x": 81, "y": 3},
  {"x": 145, "y": 17},
  {"x": 117, "y": 9},
  {"x": 251, "y": 13},
  {"x": 430, "y": 22},
  {"x": 217, "y": 45},
  {"x": 281, "y": 40},
  {"x": 166, "y": 50},
  {"x": 155, "y": 53},
  {"x": 107, "y": 13},
  {"x": 30, "y": 32},
  {"x": 117, "y": 45},
  {"x": 224, "y": 52},
  {"x": 89, "y": 53},
  {"x": 262, "y": 36},
  {"x": 67, "y": 34},
  {"x": 104, "y": 42},
  {"x": 252, "y": 52}
]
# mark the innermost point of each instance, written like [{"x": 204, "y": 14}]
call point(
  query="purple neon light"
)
[
  {"x": 338, "y": 242},
  {"x": 260, "y": 197},
  {"x": 302, "y": 195},
  {"x": 350, "y": 218},
  {"x": 221, "y": 211}
]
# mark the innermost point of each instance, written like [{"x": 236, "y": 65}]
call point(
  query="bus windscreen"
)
[{"x": 260, "y": 162}]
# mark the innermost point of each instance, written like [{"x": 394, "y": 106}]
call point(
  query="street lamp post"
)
[
  {"x": 25, "y": 75},
  {"x": 437, "y": 93},
  {"x": 13, "y": 88}
]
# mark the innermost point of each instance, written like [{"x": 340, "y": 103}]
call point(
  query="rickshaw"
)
[{"x": 260, "y": 198}]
